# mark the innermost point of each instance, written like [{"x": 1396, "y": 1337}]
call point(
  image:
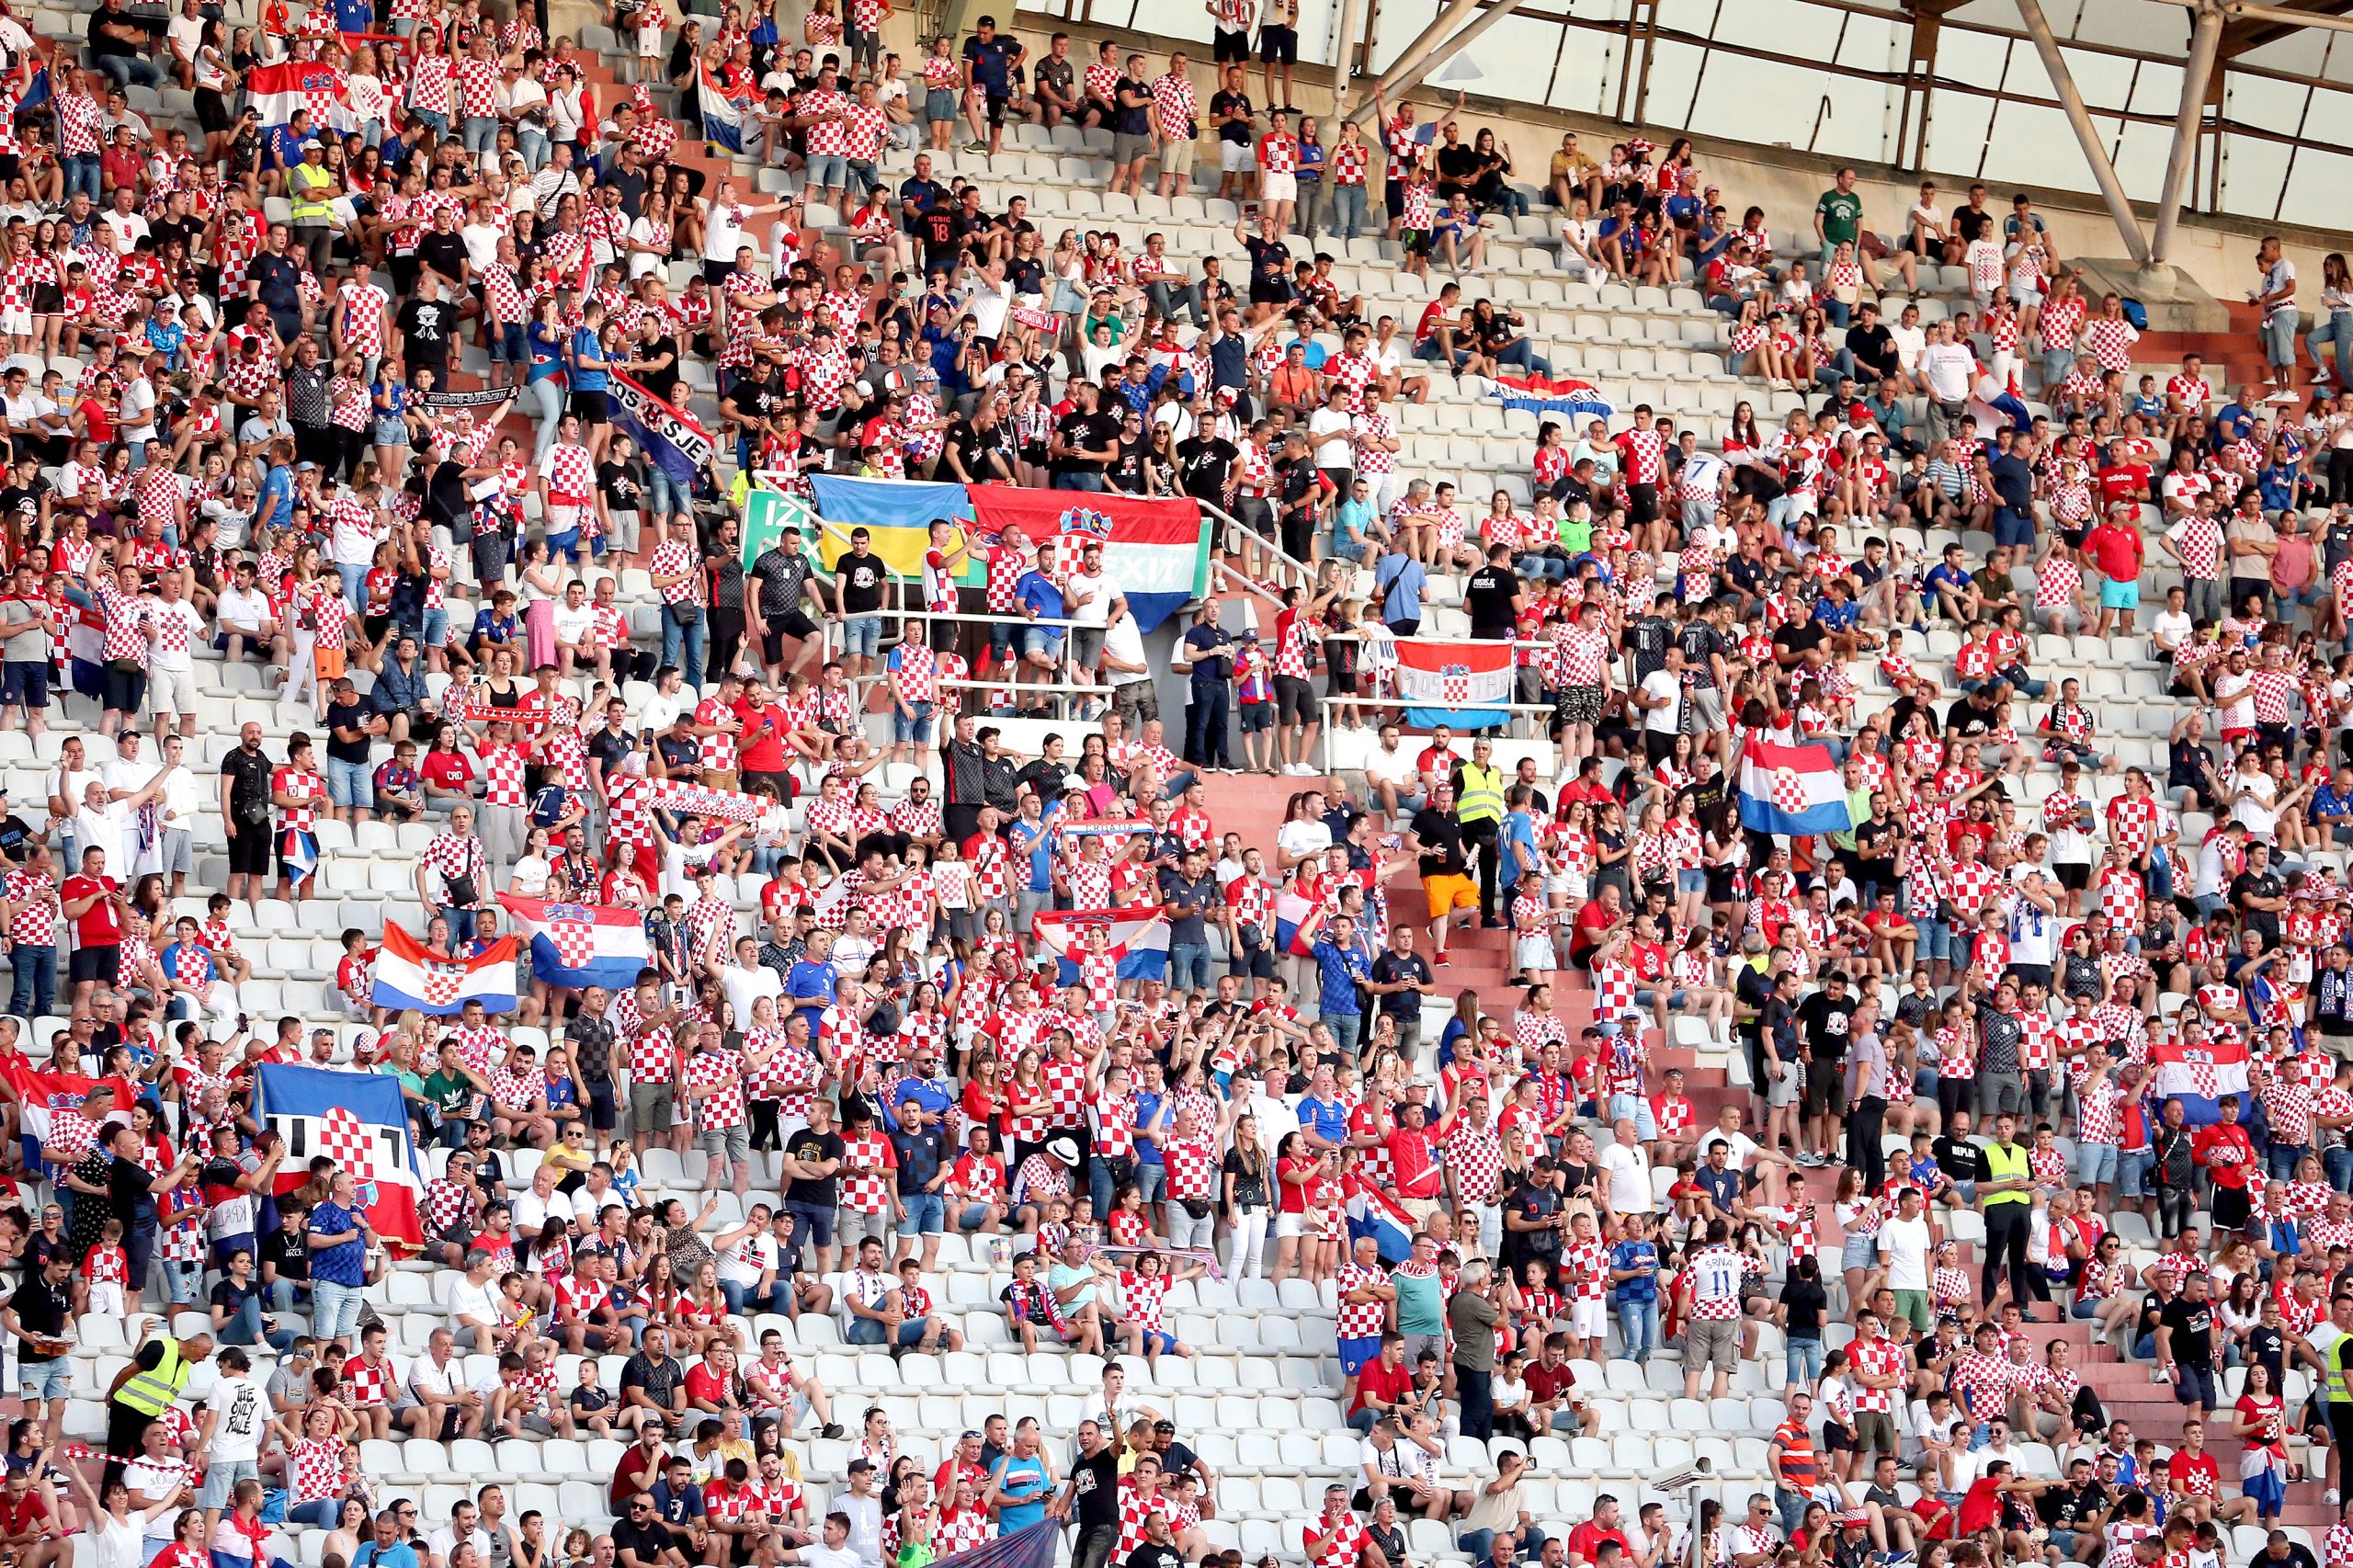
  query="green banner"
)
[{"x": 766, "y": 516}]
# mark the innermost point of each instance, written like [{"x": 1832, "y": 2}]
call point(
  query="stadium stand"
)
[{"x": 1444, "y": 1155}]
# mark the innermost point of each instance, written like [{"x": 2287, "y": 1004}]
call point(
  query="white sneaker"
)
[
  {"x": 2320, "y": 374},
  {"x": 2281, "y": 396},
  {"x": 2329, "y": 1497}
]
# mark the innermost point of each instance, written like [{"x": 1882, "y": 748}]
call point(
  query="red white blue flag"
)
[
  {"x": 575, "y": 946},
  {"x": 411, "y": 975},
  {"x": 1138, "y": 938},
  {"x": 356, "y": 1120},
  {"x": 1792, "y": 789},
  {"x": 1551, "y": 394},
  {"x": 1446, "y": 682}
]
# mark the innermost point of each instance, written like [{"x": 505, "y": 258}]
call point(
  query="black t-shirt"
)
[
  {"x": 663, "y": 384},
  {"x": 15, "y": 836},
  {"x": 649, "y": 1540},
  {"x": 2193, "y": 1330},
  {"x": 1127, "y": 470},
  {"x": 346, "y": 715},
  {"x": 445, "y": 253},
  {"x": 971, "y": 447},
  {"x": 620, "y": 483},
  {"x": 1874, "y": 348},
  {"x": 127, "y": 1188},
  {"x": 1808, "y": 1303},
  {"x": 1079, "y": 430},
  {"x": 812, "y": 1147},
  {"x": 1098, "y": 1483},
  {"x": 1269, "y": 269},
  {"x": 1799, "y": 639},
  {"x": 425, "y": 325},
  {"x": 42, "y": 1308},
  {"x": 1136, "y": 122},
  {"x": 1488, "y": 596},
  {"x": 2260, "y": 884},
  {"x": 1149, "y": 1556},
  {"x": 288, "y": 1251},
  {"x": 1205, "y": 461},
  {"x": 1824, "y": 1022},
  {"x": 22, "y": 502},
  {"x": 861, "y": 578},
  {"x": 1441, "y": 837},
  {"x": 1235, "y": 130}
]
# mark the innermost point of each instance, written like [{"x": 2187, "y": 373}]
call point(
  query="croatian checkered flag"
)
[
  {"x": 356, "y": 1120},
  {"x": 1446, "y": 682}
]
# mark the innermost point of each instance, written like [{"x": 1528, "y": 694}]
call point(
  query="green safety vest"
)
[
  {"x": 151, "y": 1393},
  {"x": 1481, "y": 797},
  {"x": 2006, "y": 1164}
]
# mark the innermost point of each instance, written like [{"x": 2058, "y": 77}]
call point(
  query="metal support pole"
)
[
  {"x": 2205, "y": 42},
  {"x": 1496, "y": 12},
  {"x": 2063, "y": 82},
  {"x": 1416, "y": 53},
  {"x": 1344, "y": 52}
]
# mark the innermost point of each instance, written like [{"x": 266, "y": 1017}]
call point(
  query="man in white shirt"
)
[
  {"x": 445, "y": 1407},
  {"x": 1661, "y": 701},
  {"x": 747, "y": 980},
  {"x": 664, "y": 703},
  {"x": 1903, "y": 1242},
  {"x": 535, "y": 1208},
  {"x": 1126, "y": 670},
  {"x": 1948, "y": 370},
  {"x": 246, "y": 624},
  {"x": 472, "y": 1302},
  {"x": 1628, "y": 1166},
  {"x": 465, "y": 1525},
  {"x": 576, "y": 633},
  {"x": 1391, "y": 776}
]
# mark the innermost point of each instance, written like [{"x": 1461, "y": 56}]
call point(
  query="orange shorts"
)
[{"x": 1446, "y": 894}]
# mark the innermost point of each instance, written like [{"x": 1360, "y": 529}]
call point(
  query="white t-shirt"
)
[
  {"x": 1908, "y": 341},
  {"x": 463, "y": 1299},
  {"x": 2172, "y": 628},
  {"x": 573, "y": 625},
  {"x": 1662, "y": 685},
  {"x": 243, "y": 1412},
  {"x": 1386, "y": 766},
  {"x": 745, "y": 986},
  {"x": 1098, "y": 593},
  {"x": 1630, "y": 1179},
  {"x": 1124, "y": 641},
  {"x": 532, "y": 1212},
  {"x": 1904, "y": 1244},
  {"x": 1949, "y": 370},
  {"x": 1329, "y": 429}
]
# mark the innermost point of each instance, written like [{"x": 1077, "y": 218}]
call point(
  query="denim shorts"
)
[
  {"x": 1936, "y": 941},
  {"x": 862, "y": 634},
  {"x": 507, "y": 346},
  {"x": 1042, "y": 641},
  {"x": 45, "y": 1379},
  {"x": 2133, "y": 1167},
  {"x": 350, "y": 783},
  {"x": 2095, "y": 1164},
  {"x": 926, "y": 1214},
  {"x": 916, "y": 728},
  {"x": 827, "y": 171}
]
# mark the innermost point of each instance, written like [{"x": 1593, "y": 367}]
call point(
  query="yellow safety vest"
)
[
  {"x": 1481, "y": 797},
  {"x": 301, "y": 180},
  {"x": 2340, "y": 1388},
  {"x": 151, "y": 1393},
  {"x": 2008, "y": 1165}
]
